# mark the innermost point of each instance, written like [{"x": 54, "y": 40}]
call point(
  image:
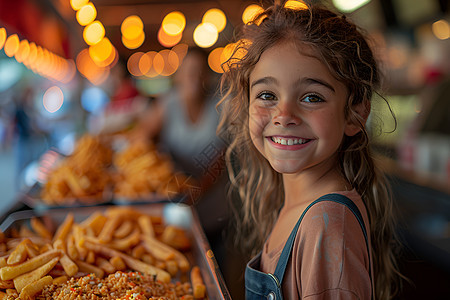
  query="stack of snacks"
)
[
  {"x": 82, "y": 176},
  {"x": 144, "y": 172},
  {"x": 36, "y": 263}
]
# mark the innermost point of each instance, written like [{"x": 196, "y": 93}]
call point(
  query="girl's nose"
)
[{"x": 285, "y": 116}]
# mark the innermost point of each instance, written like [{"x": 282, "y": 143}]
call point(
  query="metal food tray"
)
[{"x": 181, "y": 215}]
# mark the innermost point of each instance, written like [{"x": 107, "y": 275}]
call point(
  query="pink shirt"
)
[{"x": 329, "y": 258}]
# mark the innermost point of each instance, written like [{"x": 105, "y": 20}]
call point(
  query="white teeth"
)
[{"x": 288, "y": 142}]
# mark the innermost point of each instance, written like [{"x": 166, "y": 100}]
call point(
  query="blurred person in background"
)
[
  {"x": 30, "y": 140},
  {"x": 183, "y": 122}
]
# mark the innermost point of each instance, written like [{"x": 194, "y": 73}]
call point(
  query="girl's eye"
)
[
  {"x": 266, "y": 96},
  {"x": 312, "y": 99}
]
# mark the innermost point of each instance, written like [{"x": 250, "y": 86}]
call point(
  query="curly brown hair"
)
[{"x": 344, "y": 49}]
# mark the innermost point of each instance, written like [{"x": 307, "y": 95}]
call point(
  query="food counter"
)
[{"x": 87, "y": 217}]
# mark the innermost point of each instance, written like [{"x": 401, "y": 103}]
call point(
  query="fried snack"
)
[
  {"x": 176, "y": 237},
  {"x": 144, "y": 172},
  {"x": 131, "y": 262},
  {"x": 19, "y": 254},
  {"x": 88, "y": 268},
  {"x": 10, "y": 272},
  {"x": 198, "y": 285},
  {"x": 82, "y": 176},
  {"x": 29, "y": 291},
  {"x": 64, "y": 229},
  {"x": 21, "y": 281}
]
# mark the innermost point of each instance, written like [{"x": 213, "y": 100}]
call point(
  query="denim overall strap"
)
[{"x": 285, "y": 254}]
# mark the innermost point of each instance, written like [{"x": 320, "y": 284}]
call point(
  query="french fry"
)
[
  {"x": 145, "y": 223},
  {"x": 68, "y": 265},
  {"x": 59, "y": 244},
  {"x": 176, "y": 237},
  {"x": 124, "y": 229},
  {"x": 72, "y": 251},
  {"x": 64, "y": 228},
  {"x": 88, "y": 268},
  {"x": 3, "y": 261},
  {"x": 6, "y": 284},
  {"x": 147, "y": 258},
  {"x": 60, "y": 279},
  {"x": 138, "y": 251},
  {"x": 118, "y": 263},
  {"x": 78, "y": 236},
  {"x": 96, "y": 221},
  {"x": 105, "y": 265},
  {"x": 40, "y": 229},
  {"x": 32, "y": 250},
  {"x": 126, "y": 243},
  {"x": 158, "y": 249},
  {"x": 131, "y": 262},
  {"x": 90, "y": 257},
  {"x": 172, "y": 267},
  {"x": 19, "y": 254},
  {"x": 10, "y": 272},
  {"x": 107, "y": 232},
  {"x": 198, "y": 286},
  {"x": 21, "y": 281},
  {"x": 25, "y": 231},
  {"x": 32, "y": 289},
  {"x": 12, "y": 293}
]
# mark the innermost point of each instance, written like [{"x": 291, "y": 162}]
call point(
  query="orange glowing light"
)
[
  {"x": 205, "y": 35},
  {"x": 93, "y": 33},
  {"x": 101, "y": 51},
  {"x": 214, "y": 61},
  {"x": 174, "y": 23},
  {"x": 31, "y": 56},
  {"x": 146, "y": 62},
  {"x": 23, "y": 52},
  {"x": 11, "y": 45},
  {"x": 441, "y": 29},
  {"x": 133, "y": 64},
  {"x": 171, "y": 62},
  {"x": 251, "y": 12},
  {"x": 168, "y": 40},
  {"x": 87, "y": 67},
  {"x": 132, "y": 27},
  {"x": 216, "y": 17},
  {"x": 133, "y": 44},
  {"x": 78, "y": 4},
  {"x": 2, "y": 37},
  {"x": 151, "y": 72},
  {"x": 295, "y": 5},
  {"x": 86, "y": 14}
]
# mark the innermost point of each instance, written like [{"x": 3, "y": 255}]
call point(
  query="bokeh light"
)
[
  {"x": 53, "y": 99},
  {"x": 174, "y": 23},
  {"x": 216, "y": 17},
  {"x": 2, "y": 37},
  {"x": 132, "y": 27},
  {"x": 214, "y": 61},
  {"x": 94, "y": 99},
  {"x": 205, "y": 35},
  {"x": 181, "y": 51},
  {"x": 87, "y": 67},
  {"x": 133, "y": 64},
  {"x": 171, "y": 62},
  {"x": 251, "y": 12},
  {"x": 146, "y": 62},
  {"x": 441, "y": 29},
  {"x": 101, "y": 51},
  {"x": 86, "y": 14},
  {"x": 93, "y": 33},
  {"x": 168, "y": 40},
  {"x": 295, "y": 4},
  {"x": 133, "y": 44},
  {"x": 11, "y": 45},
  {"x": 23, "y": 51},
  {"x": 78, "y": 4}
]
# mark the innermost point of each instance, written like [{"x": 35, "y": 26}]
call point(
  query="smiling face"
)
[{"x": 296, "y": 113}]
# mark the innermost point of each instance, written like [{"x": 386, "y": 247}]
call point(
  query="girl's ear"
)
[{"x": 358, "y": 114}]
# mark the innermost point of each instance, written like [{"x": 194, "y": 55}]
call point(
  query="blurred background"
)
[{"x": 68, "y": 67}]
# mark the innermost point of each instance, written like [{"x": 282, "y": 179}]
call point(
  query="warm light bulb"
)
[
  {"x": 101, "y": 51},
  {"x": 205, "y": 35},
  {"x": 168, "y": 40},
  {"x": 23, "y": 52},
  {"x": 133, "y": 44},
  {"x": 174, "y": 23},
  {"x": 78, "y": 4},
  {"x": 441, "y": 29},
  {"x": 214, "y": 61},
  {"x": 251, "y": 12},
  {"x": 132, "y": 27},
  {"x": 2, "y": 37},
  {"x": 295, "y": 4},
  {"x": 86, "y": 14},
  {"x": 216, "y": 17},
  {"x": 11, "y": 45},
  {"x": 93, "y": 33}
]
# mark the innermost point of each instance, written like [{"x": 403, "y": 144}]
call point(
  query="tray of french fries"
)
[
  {"x": 153, "y": 250},
  {"x": 98, "y": 172}
]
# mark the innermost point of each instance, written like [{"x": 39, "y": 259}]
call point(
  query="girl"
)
[{"x": 297, "y": 97}]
